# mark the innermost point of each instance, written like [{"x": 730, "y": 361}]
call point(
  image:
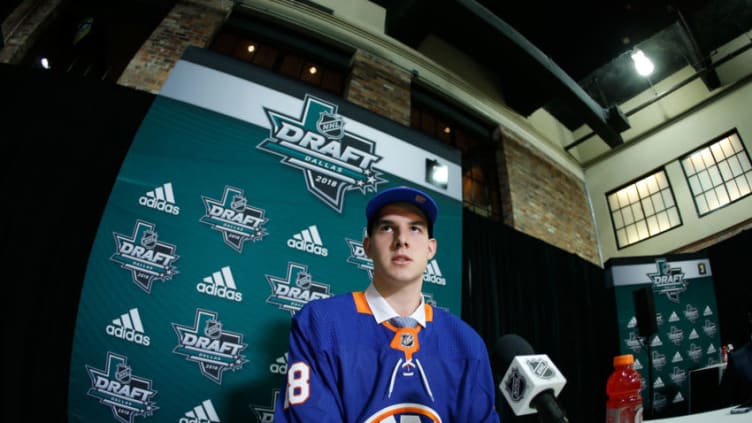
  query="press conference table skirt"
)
[{"x": 722, "y": 415}]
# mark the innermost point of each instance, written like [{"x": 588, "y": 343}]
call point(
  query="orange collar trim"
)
[{"x": 361, "y": 305}]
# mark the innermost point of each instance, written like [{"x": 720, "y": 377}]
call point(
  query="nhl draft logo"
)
[
  {"x": 358, "y": 257},
  {"x": 118, "y": 388},
  {"x": 207, "y": 344},
  {"x": 333, "y": 160},
  {"x": 234, "y": 218},
  {"x": 145, "y": 256},
  {"x": 293, "y": 291},
  {"x": 265, "y": 414},
  {"x": 668, "y": 280}
]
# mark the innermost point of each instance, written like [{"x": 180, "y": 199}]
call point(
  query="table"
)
[{"x": 722, "y": 415}]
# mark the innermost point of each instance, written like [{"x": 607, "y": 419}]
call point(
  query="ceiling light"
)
[
  {"x": 642, "y": 63},
  {"x": 312, "y": 70},
  {"x": 251, "y": 48},
  {"x": 447, "y": 130}
]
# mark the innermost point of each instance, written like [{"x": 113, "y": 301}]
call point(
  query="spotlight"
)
[
  {"x": 642, "y": 63},
  {"x": 437, "y": 174}
]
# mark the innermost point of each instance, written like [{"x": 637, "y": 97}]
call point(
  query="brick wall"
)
[
  {"x": 380, "y": 87},
  {"x": 190, "y": 22},
  {"x": 544, "y": 200},
  {"x": 24, "y": 25}
]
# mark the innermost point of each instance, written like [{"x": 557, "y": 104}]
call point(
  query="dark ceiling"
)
[{"x": 572, "y": 58}]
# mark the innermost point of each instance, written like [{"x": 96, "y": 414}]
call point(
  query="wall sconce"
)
[{"x": 437, "y": 174}]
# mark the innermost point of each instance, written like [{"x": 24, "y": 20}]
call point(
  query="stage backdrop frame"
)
[
  {"x": 686, "y": 313},
  {"x": 241, "y": 198}
]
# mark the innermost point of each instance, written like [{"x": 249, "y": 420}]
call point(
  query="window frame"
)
[
  {"x": 645, "y": 216},
  {"x": 747, "y": 174}
]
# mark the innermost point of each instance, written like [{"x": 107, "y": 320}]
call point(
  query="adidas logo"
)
[
  {"x": 433, "y": 273},
  {"x": 308, "y": 240},
  {"x": 129, "y": 327},
  {"x": 202, "y": 413},
  {"x": 279, "y": 366},
  {"x": 161, "y": 198},
  {"x": 220, "y": 284}
]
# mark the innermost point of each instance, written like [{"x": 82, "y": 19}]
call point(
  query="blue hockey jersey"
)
[{"x": 345, "y": 367}]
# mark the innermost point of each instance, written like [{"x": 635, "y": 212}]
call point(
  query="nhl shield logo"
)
[
  {"x": 407, "y": 340},
  {"x": 123, "y": 373},
  {"x": 331, "y": 125},
  {"x": 149, "y": 240},
  {"x": 515, "y": 385},
  {"x": 238, "y": 203},
  {"x": 213, "y": 329},
  {"x": 541, "y": 368}
]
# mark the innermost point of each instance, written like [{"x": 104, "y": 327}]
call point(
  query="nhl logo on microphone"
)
[
  {"x": 528, "y": 376},
  {"x": 514, "y": 385}
]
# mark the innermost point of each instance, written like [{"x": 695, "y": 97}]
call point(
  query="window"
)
[
  {"x": 643, "y": 209},
  {"x": 719, "y": 173},
  {"x": 284, "y": 52},
  {"x": 480, "y": 187}
]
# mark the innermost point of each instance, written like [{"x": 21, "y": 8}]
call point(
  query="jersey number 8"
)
[{"x": 298, "y": 384}]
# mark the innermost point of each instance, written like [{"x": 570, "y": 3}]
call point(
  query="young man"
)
[{"x": 351, "y": 361}]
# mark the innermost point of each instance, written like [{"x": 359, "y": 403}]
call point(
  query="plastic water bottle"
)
[{"x": 624, "y": 403}]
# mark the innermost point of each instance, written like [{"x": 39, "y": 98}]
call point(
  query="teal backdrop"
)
[
  {"x": 241, "y": 198},
  {"x": 688, "y": 335}
]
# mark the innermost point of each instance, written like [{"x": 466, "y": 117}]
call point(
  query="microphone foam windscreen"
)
[{"x": 506, "y": 349}]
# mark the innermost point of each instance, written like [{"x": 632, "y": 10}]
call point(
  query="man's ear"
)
[
  {"x": 432, "y": 244},
  {"x": 367, "y": 246}
]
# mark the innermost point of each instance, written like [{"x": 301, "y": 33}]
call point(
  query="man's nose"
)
[{"x": 400, "y": 239}]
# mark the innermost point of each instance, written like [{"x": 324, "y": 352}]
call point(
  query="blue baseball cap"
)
[{"x": 403, "y": 194}]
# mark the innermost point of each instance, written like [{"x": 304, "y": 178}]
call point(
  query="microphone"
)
[{"x": 531, "y": 382}]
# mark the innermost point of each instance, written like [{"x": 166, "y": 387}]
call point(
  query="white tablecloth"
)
[{"x": 722, "y": 415}]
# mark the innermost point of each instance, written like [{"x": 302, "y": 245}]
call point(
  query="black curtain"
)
[
  {"x": 557, "y": 301},
  {"x": 64, "y": 139}
]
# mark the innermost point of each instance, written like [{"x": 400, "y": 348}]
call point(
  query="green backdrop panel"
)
[
  {"x": 687, "y": 335},
  {"x": 238, "y": 202}
]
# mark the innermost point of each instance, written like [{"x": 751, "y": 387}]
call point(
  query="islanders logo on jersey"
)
[
  {"x": 332, "y": 159},
  {"x": 405, "y": 412}
]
